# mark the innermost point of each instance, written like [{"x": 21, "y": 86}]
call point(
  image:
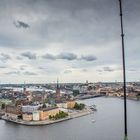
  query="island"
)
[{"x": 40, "y": 114}]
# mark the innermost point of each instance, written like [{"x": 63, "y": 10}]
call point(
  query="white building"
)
[
  {"x": 62, "y": 105},
  {"x": 30, "y": 108},
  {"x": 36, "y": 116}
]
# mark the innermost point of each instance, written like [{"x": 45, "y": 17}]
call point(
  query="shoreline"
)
[
  {"x": 73, "y": 115},
  {"x": 128, "y": 98}
]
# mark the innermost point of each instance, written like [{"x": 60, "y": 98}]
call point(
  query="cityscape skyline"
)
[{"x": 71, "y": 39}]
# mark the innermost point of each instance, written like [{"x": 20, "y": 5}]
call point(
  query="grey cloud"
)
[
  {"x": 67, "y": 56},
  {"x": 4, "y": 57},
  {"x": 2, "y": 67},
  {"x": 67, "y": 71},
  {"x": 29, "y": 55},
  {"x": 13, "y": 73},
  {"x": 88, "y": 58},
  {"x": 108, "y": 69},
  {"x": 21, "y": 24},
  {"x": 29, "y": 73},
  {"x": 19, "y": 58},
  {"x": 99, "y": 70},
  {"x": 64, "y": 56},
  {"x": 132, "y": 70},
  {"x": 20, "y": 73},
  {"x": 49, "y": 56},
  {"x": 22, "y": 67},
  {"x": 84, "y": 70},
  {"x": 42, "y": 68},
  {"x": 75, "y": 21}
]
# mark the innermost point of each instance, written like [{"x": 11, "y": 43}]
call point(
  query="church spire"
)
[{"x": 57, "y": 84}]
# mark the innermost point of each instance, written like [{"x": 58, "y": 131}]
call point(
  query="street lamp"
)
[{"x": 124, "y": 74}]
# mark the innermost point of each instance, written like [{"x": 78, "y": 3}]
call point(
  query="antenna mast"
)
[{"x": 124, "y": 73}]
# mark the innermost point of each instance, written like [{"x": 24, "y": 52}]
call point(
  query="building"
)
[
  {"x": 62, "y": 105},
  {"x": 57, "y": 95},
  {"x": 71, "y": 104},
  {"x": 36, "y": 115},
  {"x": 12, "y": 111},
  {"x": 46, "y": 112},
  {"x": 27, "y": 117},
  {"x": 21, "y": 101},
  {"x": 43, "y": 115},
  {"x": 30, "y": 108}
]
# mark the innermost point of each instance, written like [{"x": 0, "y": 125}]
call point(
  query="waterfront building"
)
[
  {"x": 50, "y": 111},
  {"x": 30, "y": 108},
  {"x": 43, "y": 115},
  {"x": 62, "y": 105},
  {"x": 36, "y": 116},
  {"x": 27, "y": 117},
  {"x": 12, "y": 111}
]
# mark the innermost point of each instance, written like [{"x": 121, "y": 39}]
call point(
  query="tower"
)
[
  {"x": 24, "y": 88},
  {"x": 57, "y": 90}
]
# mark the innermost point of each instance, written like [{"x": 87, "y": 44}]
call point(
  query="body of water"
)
[{"x": 108, "y": 126}]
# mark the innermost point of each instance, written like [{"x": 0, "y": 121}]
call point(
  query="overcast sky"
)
[{"x": 74, "y": 40}]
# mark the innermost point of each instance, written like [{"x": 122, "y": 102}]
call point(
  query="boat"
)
[{"x": 93, "y": 107}]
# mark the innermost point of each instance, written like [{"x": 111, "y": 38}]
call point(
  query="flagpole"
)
[{"x": 124, "y": 73}]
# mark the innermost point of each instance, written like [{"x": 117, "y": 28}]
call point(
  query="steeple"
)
[
  {"x": 57, "y": 84},
  {"x": 24, "y": 88},
  {"x": 57, "y": 90}
]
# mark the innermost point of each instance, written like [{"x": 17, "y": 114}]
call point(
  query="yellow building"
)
[
  {"x": 27, "y": 117},
  {"x": 71, "y": 104},
  {"x": 43, "y": 115},
  {"x": 51, "y": 111}
]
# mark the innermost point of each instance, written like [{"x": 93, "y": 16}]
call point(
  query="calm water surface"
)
[{"x": 108, "y": 125}]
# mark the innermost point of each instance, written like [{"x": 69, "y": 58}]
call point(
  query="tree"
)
[
  {"x": 79, "y": 106},
  {"x": 75, "y": 92},
  {"x": 44, "y": 105},
  {"x": 3, "y": 106}
]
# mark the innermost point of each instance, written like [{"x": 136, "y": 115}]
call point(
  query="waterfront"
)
[
  {"x": 72, "y": 115},
  {"x": 108, "y": 125}
]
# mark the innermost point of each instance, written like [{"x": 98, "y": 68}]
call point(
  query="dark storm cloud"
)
[
  {"x": 4, "y": 57},
  {"x": 78, "y": 22},
  {"x": 29, "y": 55},
  {"x": 88, "y": 58},
  {"x": 21, "y": 24}
]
